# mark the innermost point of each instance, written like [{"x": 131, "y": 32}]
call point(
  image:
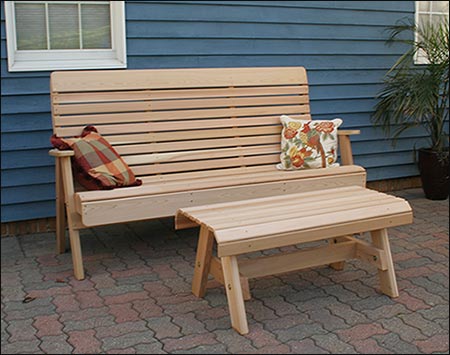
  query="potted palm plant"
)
[{"x": 417, "y": 95}]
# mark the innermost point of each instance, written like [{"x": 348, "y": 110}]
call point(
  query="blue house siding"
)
[{"x": 341, "y": 43}]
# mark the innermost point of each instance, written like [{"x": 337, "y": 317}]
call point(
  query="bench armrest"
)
[
  {"x": 348, "y": 132},
  {"x": 61, "y": 153},
  {"x": 345, "y": 145}
]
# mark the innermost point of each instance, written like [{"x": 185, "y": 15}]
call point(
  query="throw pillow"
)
[
  {"x": 96, "y": 165},
  {"x": 308, "y": 144}
]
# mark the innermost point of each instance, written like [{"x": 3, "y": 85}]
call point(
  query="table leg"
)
[
  {"x": 340, "y": 264},
  {"x": 202, "y": 262},
  {"x": 388, "y": 281},
  {"x": 234, "y": 294}
]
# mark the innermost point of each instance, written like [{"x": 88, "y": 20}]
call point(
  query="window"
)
[
  {"x": 430, "y": 12},
  {"x": 54, "y": 35}
]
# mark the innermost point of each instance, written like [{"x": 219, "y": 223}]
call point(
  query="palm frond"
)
[{"x": 416, "y": 95}]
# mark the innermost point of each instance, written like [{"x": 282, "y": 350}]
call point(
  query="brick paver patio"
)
[{"x": 136, "y": 297}]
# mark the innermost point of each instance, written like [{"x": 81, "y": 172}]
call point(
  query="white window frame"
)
[
  {"x": 420, "y": 58},
  {"x": 48, "y": 60}
]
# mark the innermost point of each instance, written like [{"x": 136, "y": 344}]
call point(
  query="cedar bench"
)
[
  {"x": 193, "y": 136},
  {"x": 266, "y": 223}
]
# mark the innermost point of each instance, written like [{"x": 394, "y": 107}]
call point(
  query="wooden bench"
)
[
  {"x": 266, "y": 223},
  {"x": 194, "y": 136}
]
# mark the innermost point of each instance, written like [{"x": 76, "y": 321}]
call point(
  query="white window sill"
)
[{"x": 50, "y": 65}]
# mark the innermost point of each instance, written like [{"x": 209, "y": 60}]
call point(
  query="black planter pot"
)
[{"x": 434, "y": 174}]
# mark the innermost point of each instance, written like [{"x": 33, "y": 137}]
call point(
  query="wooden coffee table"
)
[{"x": 253, "y": 225}]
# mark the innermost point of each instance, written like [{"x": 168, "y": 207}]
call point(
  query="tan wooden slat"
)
[
  {"x": 205, "y": 164},
  {"x": 311, "y": 222},
  {"x": 280, "y": 208},
  {"x": 72, "y": 109},
  {"x": 287, "y": 262},
  {"x": 200, "y": 155},
  {"x": 179, "y": 115},
  {"x": 218, "y": 178},
  {"x": 117, "y": 96},
  {"x": 229, "y": 173},
  {"x": 110, "y": 80},
  {"x": 174, "y": 125},
  {"x": 193, "y": 212},
  {"x": 199, "y": 134},
  {"x": 197, "y": 144},
  {"x": 166, "y": 203},
  {"x": 290, "y": 213},
  {"x": 313, "y": 234}
]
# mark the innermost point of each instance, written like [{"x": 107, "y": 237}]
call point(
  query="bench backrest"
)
[{"x": 177, "y": 120}]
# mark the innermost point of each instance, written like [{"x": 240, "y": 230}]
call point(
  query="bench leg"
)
[
  {"x": 202, "y": 262},
  {"x": 388, "y": 281},
  {"x": 77, "y": 257},
  {"x": 245, "y": 289},
  {"x": 234, "y": 294},
  {"x": 60, "y": 211},
  {"x": 340, "y": 264}
]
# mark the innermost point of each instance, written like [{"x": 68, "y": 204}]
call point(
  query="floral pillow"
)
[{"x": 308, "y": 144}]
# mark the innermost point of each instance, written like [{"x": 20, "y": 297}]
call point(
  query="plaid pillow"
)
[{"x": 96, "y": 165}]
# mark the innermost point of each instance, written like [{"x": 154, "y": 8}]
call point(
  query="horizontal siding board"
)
[
  {"x": 209, "y": 30},
  {"x": 26, "y": 211},
  {"x": 169, "y": 46},
  {"x": 25, "y": 194},
  {"x": 28, "y": 176},
  {"x": 341, "y": 44},
  {"x": 228, "y": 13},
  {"x": 345, "y": 76},
  {"x": 26, "y": 159},
  {"x": 26, "y": 122},
  {"x": 378, "y": 6},
  {"x": 384, "y": 160},
  {"x": 25, "y": 140},
  {"x": 21, "y": 86},
  {"x": 385, "y": 146},
  {"x": 25, "y": 104},
  {"x": 313, "y": 62},
  {"x": 392, "y": 172}
]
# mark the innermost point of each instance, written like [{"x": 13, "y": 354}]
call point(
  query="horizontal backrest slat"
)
[
  {"x": 204, "y": 164},
  {"x": 160, "y": 105},
  {"x": 204, "y": 154},
  {"x": 179, "y": 115},
  {"x": 138, "y": 95},
  {"x": 176, "y": 125},
  {"x": 180, "y": 120},
  {"x": 107, "y": 80},
  {"x": 196, "y": 144}
]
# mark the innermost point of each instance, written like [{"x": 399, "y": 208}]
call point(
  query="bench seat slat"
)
[
  {"x": 213, "y": 179},
  {"x": 278, "y": 206},
  {"x": 166, "y": 203}
]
